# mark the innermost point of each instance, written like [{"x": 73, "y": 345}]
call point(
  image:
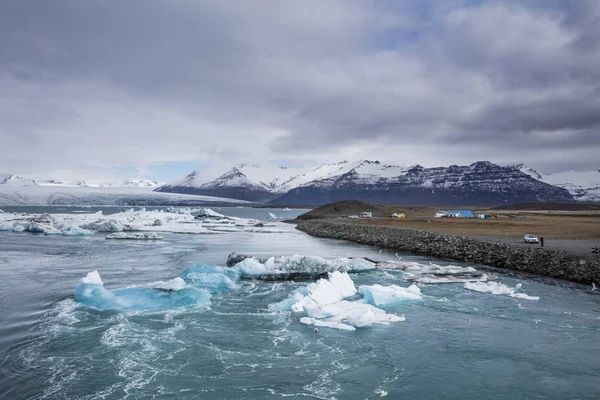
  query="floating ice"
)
[
  {"x": 105, "y": 226},
  {"x": 172, "y": 285},
  {"x": 451, "y": 278},
  {"x": 217, "y": 279},
  {"x": 207, "y": 212},
  {"x": 415, "y": 268},
  {"x": 324, "y": 305},
  {"x": 76, "y": 231},
  {"x": 378, "y": 295},
  {"x": 164, "y": 295},
  {"x": 134, "y": 236},
  {"x": 499, "y": 288},
  {"x": 434, "y": 273},
  {"x": 296, "y": 266},
  {"x": 176, "y": 221},
  {"x": 328, "y": 324},
  {"x": 45, "y": 228}
]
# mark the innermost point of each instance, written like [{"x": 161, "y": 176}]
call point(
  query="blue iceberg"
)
[{"x": 160, "y": 296}]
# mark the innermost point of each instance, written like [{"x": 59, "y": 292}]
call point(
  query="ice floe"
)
[
  {"x": 324, "y": 304},
  {"x": 379, "y": 295},
  {"x": 134, "y": 236},
  {"x": 434, "y": 273},
  {"x": 174, "y": 220},
  {"x": 294, "y": 267},
  {"x": 499, "y": 288},
  {"x": 163, "y": 295}
]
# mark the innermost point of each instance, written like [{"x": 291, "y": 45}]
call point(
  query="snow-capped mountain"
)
[
  {"x": 14, "y": 180},
  {"x": 232, "y": 184},
  {"x": 583, "y": 185},
  {"x": 253, "y": 182},
  {"x": 481, "y": 183}
]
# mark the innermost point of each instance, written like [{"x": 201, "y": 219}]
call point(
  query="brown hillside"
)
[{"x": 350, "y": 207}]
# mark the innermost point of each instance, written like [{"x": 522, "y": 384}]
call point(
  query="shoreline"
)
[{"x": 558, "y": 264}]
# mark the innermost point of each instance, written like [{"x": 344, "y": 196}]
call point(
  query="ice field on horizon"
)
[{"x": 173, "y": 220}]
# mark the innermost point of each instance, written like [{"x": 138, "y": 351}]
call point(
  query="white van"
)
[{"x": 366, "y": 214}]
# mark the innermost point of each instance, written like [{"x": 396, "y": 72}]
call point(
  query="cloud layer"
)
[{"x": 86, "y": 86}]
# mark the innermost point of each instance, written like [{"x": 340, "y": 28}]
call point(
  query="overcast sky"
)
[{"x": 100, "y": 88}]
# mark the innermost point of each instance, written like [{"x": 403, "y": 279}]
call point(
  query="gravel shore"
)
[{"x": 547, "y": 261}]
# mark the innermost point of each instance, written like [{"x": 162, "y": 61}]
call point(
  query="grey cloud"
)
[{"x": 152, "y": 81}]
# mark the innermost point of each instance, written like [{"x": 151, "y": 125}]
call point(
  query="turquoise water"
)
[{"x": 454, "y": 344}]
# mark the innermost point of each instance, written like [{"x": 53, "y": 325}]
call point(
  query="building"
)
[{"x": 455, "y": 214}]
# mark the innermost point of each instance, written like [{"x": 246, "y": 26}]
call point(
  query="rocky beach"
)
[{"x": 571, "y": 266}]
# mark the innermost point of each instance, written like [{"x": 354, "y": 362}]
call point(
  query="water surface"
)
[{"x": 455, "y": 343}]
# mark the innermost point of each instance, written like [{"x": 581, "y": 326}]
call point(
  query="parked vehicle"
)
[
  {"x": 366, "y": 214},
  {"x": 531, "y": 239}
]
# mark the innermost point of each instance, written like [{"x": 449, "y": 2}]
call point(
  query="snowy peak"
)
[
  {"x": 526, "y": 169},
  {"x": 232, "y": 178},
  {"x": 140, "y": 183},
  {"x": 583, "y": 185},
  {"x": 14, "y": 180}
]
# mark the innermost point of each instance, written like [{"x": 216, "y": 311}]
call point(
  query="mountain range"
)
[{"x": 481, "y": 183}]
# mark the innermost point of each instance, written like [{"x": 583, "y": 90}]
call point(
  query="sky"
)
[{"x": 100, "y": 89}]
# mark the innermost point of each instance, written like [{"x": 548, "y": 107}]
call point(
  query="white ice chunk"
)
[
  {"x": 332, "y": 324},
  {"x": 324, "y": 305},
  {"x": 92, "y": 278},
  {"x": 173, "y": 284},
  {"x": 379, "y": 295},
  {"x": 498, "y": 288},
  {"x": 104, "y": 226},
  {"x": 361, "y": 317},
  {"x": 46, "y": 229},
  {"x": 301, "y": 264},
  {"x": 207, "y": 212}
]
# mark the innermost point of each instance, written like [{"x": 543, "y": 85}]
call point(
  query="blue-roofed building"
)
[{"x": 460, "y": 214}]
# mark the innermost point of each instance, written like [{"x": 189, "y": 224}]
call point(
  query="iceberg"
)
[
  {"x": 169, "y": 286},
  {"x": 379, "y": 295},
  {"x": 294, "y": 267},
  {"x": 76, "y": 231},
  {"x": 37, "y": 227},
  {"x": 434, "y": 273},
  {"x": 210, "y": 277},
  {"x": 91, "y": 292},
  {"x": 324, "y": 303},
  {"x": 105, "y": 226},
  {"x": 498, "y": 288},
  {"x": 208, "y": 213}
]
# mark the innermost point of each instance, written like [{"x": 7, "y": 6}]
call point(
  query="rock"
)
[{"x": 552, "y": 263}]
